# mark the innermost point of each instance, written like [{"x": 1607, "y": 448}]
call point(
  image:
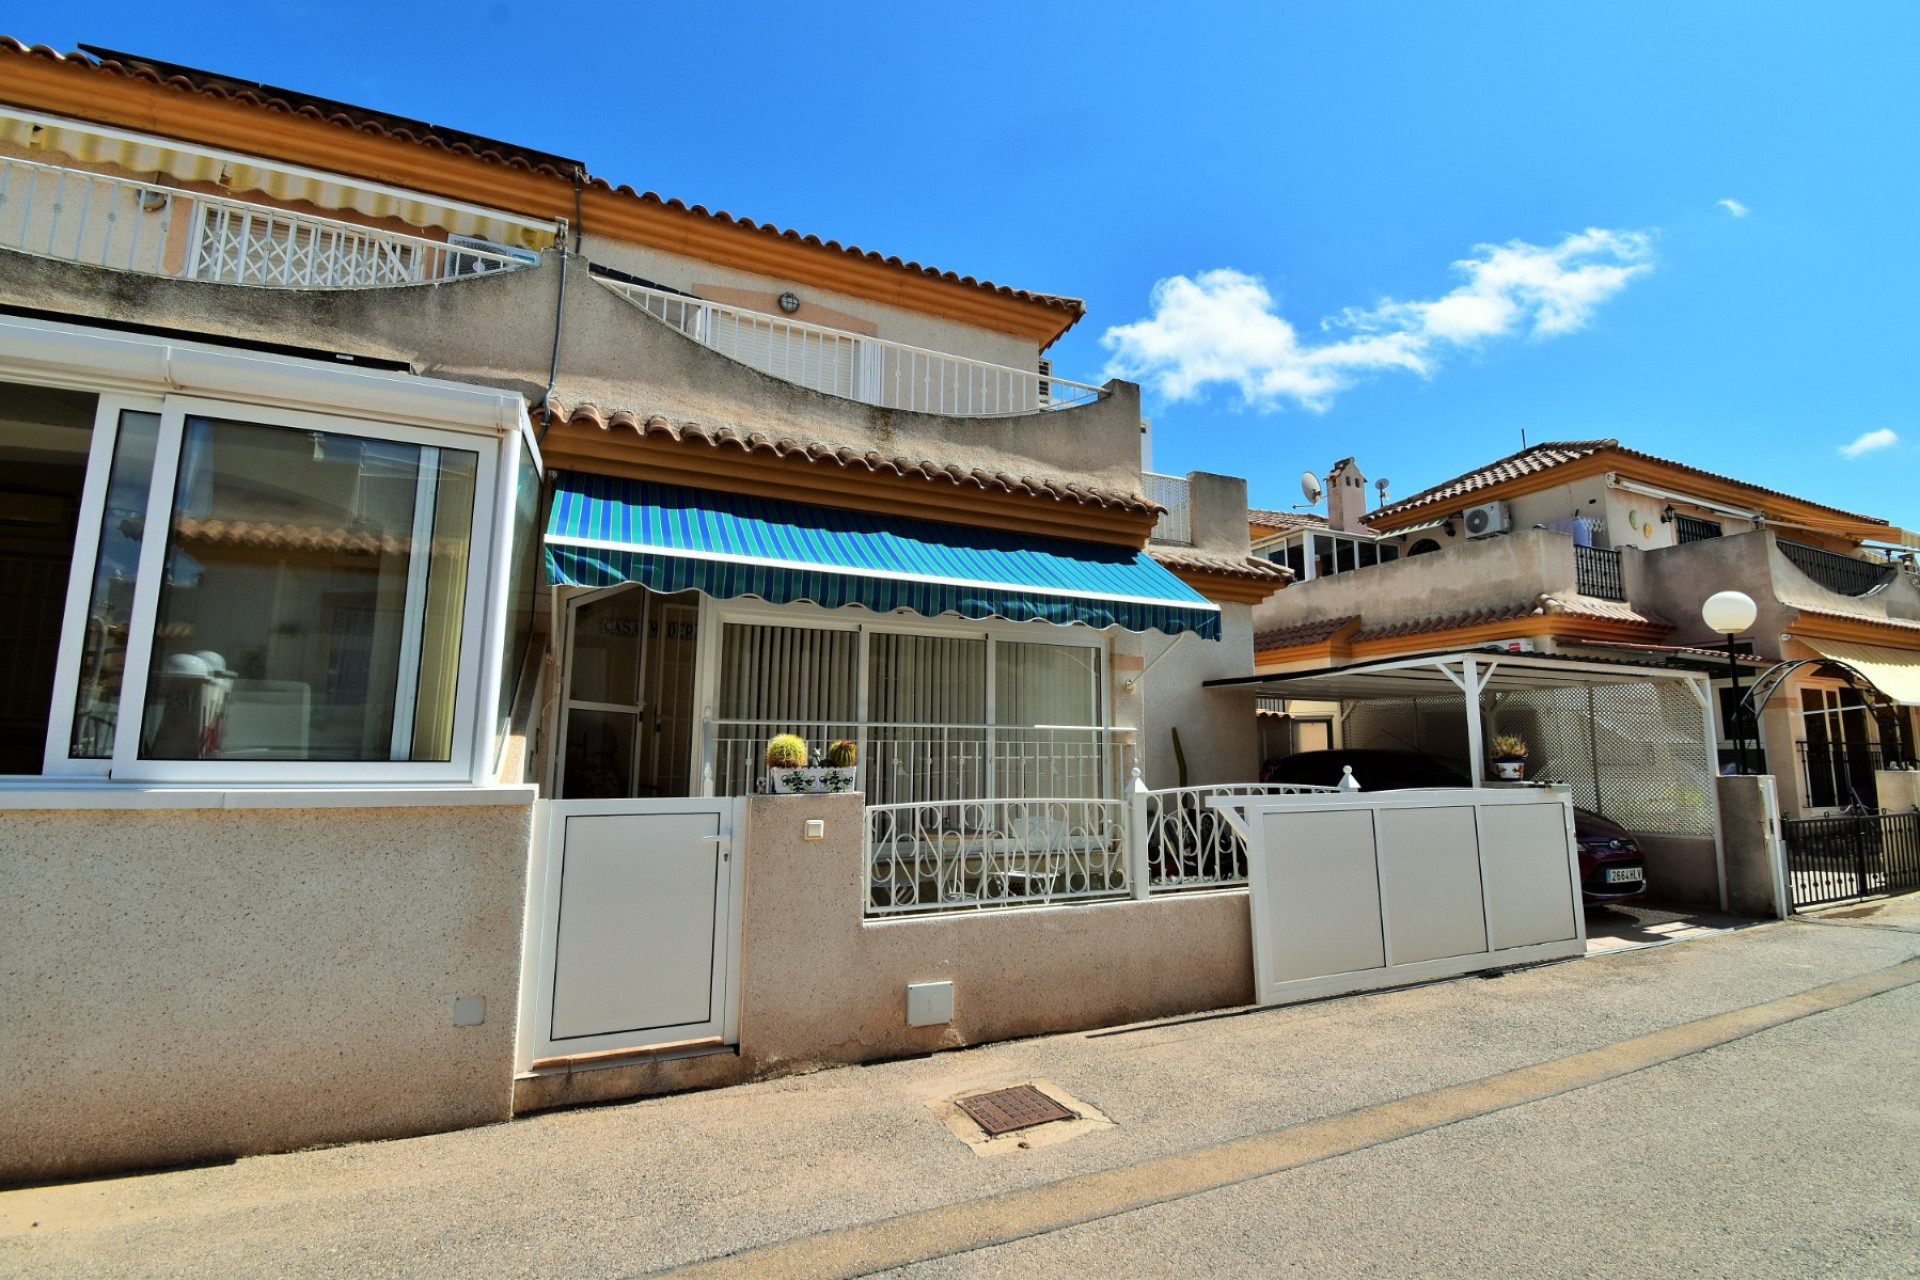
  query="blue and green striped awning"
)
[{"x": 604, "y": 531}]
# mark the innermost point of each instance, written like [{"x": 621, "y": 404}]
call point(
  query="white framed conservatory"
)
[{"x": 215, "y": 580}]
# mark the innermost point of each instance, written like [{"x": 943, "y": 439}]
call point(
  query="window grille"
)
[{"x": 1692, "y": 529}]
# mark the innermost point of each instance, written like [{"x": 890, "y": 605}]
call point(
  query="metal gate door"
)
[
  {"x": 1851, "y": 856},
  {"x": 633, "y": 927}
]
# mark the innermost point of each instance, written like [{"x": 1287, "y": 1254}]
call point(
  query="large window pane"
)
[
  {"x": 926, "y": 711},
  {"x": 802, "y": 680},
  {"x": 103, "y": 653},
  {"x": 44, "y": 438},
  {"x": 312, "y": 602},
  {"x": 1047, "y": 709}
]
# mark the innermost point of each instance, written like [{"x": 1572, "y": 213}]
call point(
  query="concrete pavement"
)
[{"x": 1788, "y": 1151}]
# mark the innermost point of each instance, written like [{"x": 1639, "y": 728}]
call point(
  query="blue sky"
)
[{"x": 1262, "y": 204}]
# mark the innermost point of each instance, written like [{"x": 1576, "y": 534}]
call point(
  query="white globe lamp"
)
[{"x": 1730, "y": 613}]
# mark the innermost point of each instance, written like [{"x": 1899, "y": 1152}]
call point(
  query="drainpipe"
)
[{"x": 560, "y": 308}]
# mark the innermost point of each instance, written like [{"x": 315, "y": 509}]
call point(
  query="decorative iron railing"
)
[
  {"x": 1844, "y": 575},
  {"x": 1173, "y": 493},
  {"x": 1693, "y": 529},
  {"x": 102, "y": 220},
  {"x": 971, "y": 854},
  {"x": 1190, "y": 845},
  {"x": 1841, "y": 773},
  {"x": 855, "y": 366},
  {"x": 1855, "y": 856},
  {"x": 1596, "y": 572}
]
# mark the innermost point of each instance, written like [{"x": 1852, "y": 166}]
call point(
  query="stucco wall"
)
[
  {"x": 1681, "y": 870},
  {"x": 1749, "y": 831},
  {"x": 1483, "y": 574},
  {"x": 820, "y": 985},
  {"x": 188, "y": 984},
  {"x": 498, "y": 330},
  {"x": 895, "y": 324},
  {"x": 1218, "y": 729}
]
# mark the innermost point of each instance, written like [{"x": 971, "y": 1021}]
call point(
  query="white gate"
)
[
  {"x": 1353, "y": 892},
  {"x": 633, "y": 931}
]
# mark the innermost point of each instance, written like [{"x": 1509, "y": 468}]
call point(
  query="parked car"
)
[{"x": 1612, "y": 868}]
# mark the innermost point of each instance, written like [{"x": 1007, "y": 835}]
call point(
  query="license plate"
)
[{"x": 1625, "y": 875}]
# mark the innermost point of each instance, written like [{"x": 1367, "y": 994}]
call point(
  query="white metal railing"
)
[
  {"x": 970, "y": 854},
  {"x": 1171, "y": 492},
  {"x": 855, "y": 366},
  {"x": 1187, "y": 844},
  {"x": 915, "y": 763},
  {"x": 103, "y": 220}
]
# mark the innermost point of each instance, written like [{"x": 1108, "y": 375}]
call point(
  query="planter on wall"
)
[{"x": 813, "y": 780}]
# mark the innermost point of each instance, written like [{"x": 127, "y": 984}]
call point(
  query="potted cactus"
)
[
  {"x": 788, "y": 772},
  {"x": 1510, "y": 756}
]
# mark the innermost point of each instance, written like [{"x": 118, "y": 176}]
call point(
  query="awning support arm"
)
[{"x": 1141, "y": 674}]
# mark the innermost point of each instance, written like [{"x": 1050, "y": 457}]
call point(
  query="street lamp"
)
[{"x": 1730, "y": 613}]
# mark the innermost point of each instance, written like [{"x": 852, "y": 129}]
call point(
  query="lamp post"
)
[{"x": 1729, "y": 613}]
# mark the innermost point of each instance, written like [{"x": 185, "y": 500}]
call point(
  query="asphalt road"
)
[{"x": 1793, "y": 1150}]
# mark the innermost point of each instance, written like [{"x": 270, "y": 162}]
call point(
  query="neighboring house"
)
[
  {"x": 360, "y": 467},
  {"x": 1592, "y": 549}
]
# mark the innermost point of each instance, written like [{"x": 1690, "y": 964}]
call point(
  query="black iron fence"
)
[
  {"x": 1844, "y": 575},
  {"x": 1596, "y": 572},
  {"x": 1834, "y": 859},
  {"x": 1841, "y": 773}
]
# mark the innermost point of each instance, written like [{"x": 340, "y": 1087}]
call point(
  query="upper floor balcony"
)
[
  {"x": 855, "y": 366},
  {"x": 104, "y": 219}
]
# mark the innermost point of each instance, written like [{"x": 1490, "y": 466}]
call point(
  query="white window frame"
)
[
  {"x": 715, "y": 614},
  {"x": 480, "y": 629}
]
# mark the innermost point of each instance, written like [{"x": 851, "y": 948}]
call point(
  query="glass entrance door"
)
[{"x": 628, "y": 717}]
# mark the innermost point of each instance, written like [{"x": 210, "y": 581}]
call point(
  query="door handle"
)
[{"x": 726, "y": 852}]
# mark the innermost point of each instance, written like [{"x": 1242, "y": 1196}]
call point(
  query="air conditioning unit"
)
[{"x": 1488, "y": 519}]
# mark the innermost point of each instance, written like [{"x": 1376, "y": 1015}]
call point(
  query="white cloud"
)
[
  {"x": 1870, "y": 441},
  {"x": 1734, "y": 207},
  {"x": 1221, "y": 326}
]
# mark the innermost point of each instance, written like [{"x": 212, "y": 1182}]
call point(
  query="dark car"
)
[{"x": 1612, "y": 868}]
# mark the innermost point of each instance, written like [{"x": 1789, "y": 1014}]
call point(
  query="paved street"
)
[{"x": 1603, "y": 1140}]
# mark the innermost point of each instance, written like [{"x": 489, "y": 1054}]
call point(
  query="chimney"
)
[{"x": 1346, "y": 497}]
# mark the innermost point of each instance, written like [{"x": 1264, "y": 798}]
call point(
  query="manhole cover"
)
[{"x": 1020, "y": 1107}]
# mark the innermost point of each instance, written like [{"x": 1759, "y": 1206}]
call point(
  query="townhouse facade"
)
[{"x": 406, "y": 526}]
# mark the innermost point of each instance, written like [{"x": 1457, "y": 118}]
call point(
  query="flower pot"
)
[
  {"x": 812, "y": 780},
  {"x": 1510, "y": 770}
]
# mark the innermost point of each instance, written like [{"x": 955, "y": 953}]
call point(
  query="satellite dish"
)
[{"x": 1310, "y": 487}]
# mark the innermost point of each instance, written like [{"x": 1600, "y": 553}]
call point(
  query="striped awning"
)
[{"x": 604, "y": 531}]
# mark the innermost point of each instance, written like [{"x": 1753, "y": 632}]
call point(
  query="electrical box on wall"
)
[{"x": 929, "y": 1004}]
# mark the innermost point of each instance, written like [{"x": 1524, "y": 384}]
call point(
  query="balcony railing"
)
[
  {"x": 101, "y": 220},
  {"x": 1844, "y": 575},
  {"x": 1171, "y": 492},
  {"x": 1189, "y": 844},
  {"x": 855, "y": 366},
  {"x": 1596, "y": 572}
]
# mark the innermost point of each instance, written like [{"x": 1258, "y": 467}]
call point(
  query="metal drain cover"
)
[{"x": 1005, "y": 1110}]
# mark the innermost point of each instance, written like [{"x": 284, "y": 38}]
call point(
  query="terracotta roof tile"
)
[
  {"x": 1227, "y": 566},
  {"x": 486, "y": 150},
  {"x": 1878, "y": 620},
  {"x": 654, "y": 425},
  {"x": 1270, "y": 519},
  {"x": 1303, "y": 633},
  {"x": 1538, "y": 607},
  {"x": 1544, "y": 457}
]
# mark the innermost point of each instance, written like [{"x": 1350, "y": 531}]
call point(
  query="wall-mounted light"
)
[
  {"x": 789, "y": 303},
  {"x": 1666, "y": 516},
  {"x": 1447, "y": 528}
]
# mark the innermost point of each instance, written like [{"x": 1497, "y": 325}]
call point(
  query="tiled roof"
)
[
  {"x": 654, "y": 425},
  {"x": 1539, "y": 607},
  {"x": 1303, "y": 633},
  {"x": 1898, "y": 624},
  {"x": 1544, "y": 457},
  {"x": 1227, "y": 566},
  {"x": 288, "y": 537},
  {"x": 1271, "y": 519},
  {"x": 361, "y": 119},
  {"x": 1691, "y": 651}
]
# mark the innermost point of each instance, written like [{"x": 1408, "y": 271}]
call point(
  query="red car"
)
[{"x": 1612, "y": 868}]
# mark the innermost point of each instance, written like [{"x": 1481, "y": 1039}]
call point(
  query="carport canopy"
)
[{"x": 1471, "y": 672}]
